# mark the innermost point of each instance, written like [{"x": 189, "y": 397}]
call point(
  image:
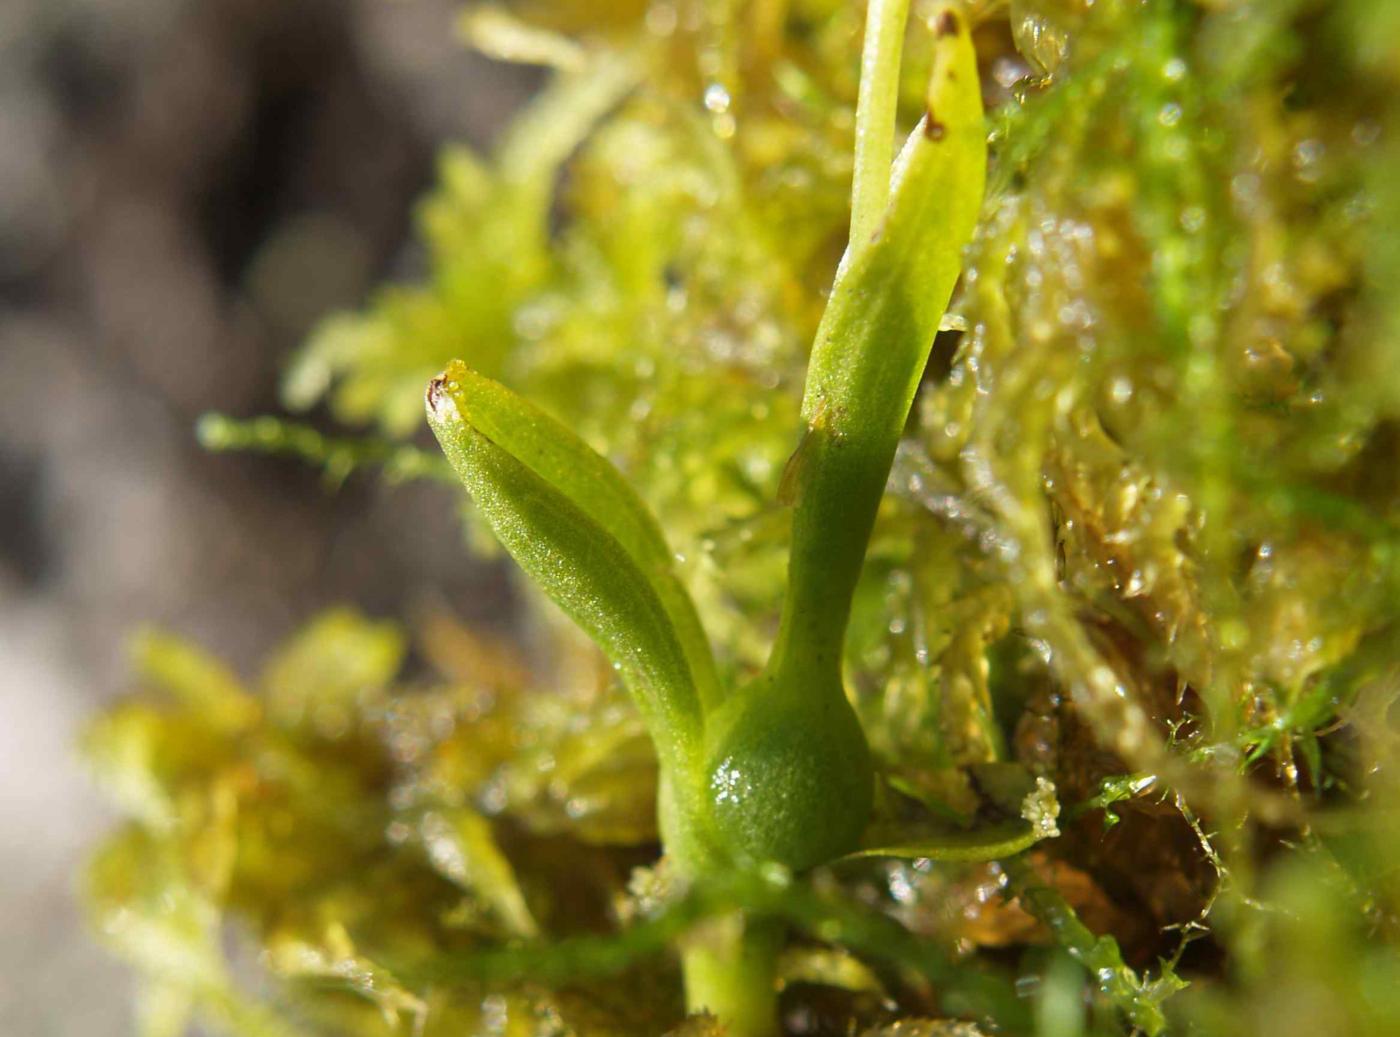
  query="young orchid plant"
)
[{"x": 777, "y": 770}]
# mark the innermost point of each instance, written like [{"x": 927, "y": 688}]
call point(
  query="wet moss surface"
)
[{"x": 1141, "y": 541}]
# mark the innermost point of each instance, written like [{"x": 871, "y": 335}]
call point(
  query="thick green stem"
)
[
  {"x": 841, "y": 488},
  {"x": 731, "y": 973},
  {"x": 841, "y": 491},
  {"x": 787, "y": 774}
]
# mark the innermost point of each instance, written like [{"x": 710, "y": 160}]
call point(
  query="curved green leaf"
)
[
  {"x": 1039, "y": 809},
  {"x": 575, "y": 527},
  {"x": 555, "y": 454}
]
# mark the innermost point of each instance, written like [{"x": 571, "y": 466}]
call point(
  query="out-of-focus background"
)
[{"x": 186, "y": 186}]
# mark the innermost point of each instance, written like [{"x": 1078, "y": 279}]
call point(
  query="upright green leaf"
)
[
  {"x": 874, "y": 341},
  {"x": 875, "y": 111}
]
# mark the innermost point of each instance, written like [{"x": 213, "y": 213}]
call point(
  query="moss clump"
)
[{"x": 1142, "y": 542}]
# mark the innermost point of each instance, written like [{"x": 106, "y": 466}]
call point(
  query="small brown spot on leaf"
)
[
  {"x": 436, "y": 388},
  {"x": 947, "y": 24},
  {"x": 933, "y": 129}
]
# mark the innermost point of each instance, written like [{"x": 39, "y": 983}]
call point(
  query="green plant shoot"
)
[
  {"x": 792, "y": 729},
  {"x": 777, "y": 770}
]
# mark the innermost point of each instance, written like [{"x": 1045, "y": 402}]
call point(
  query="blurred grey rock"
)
[{"x": 186, "y": 186}]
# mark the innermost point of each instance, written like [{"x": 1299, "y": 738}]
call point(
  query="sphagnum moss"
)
[{"x": 1127, "y": 617}]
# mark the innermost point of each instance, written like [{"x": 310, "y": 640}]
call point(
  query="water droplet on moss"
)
[{"x": 717, "y": 98}]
